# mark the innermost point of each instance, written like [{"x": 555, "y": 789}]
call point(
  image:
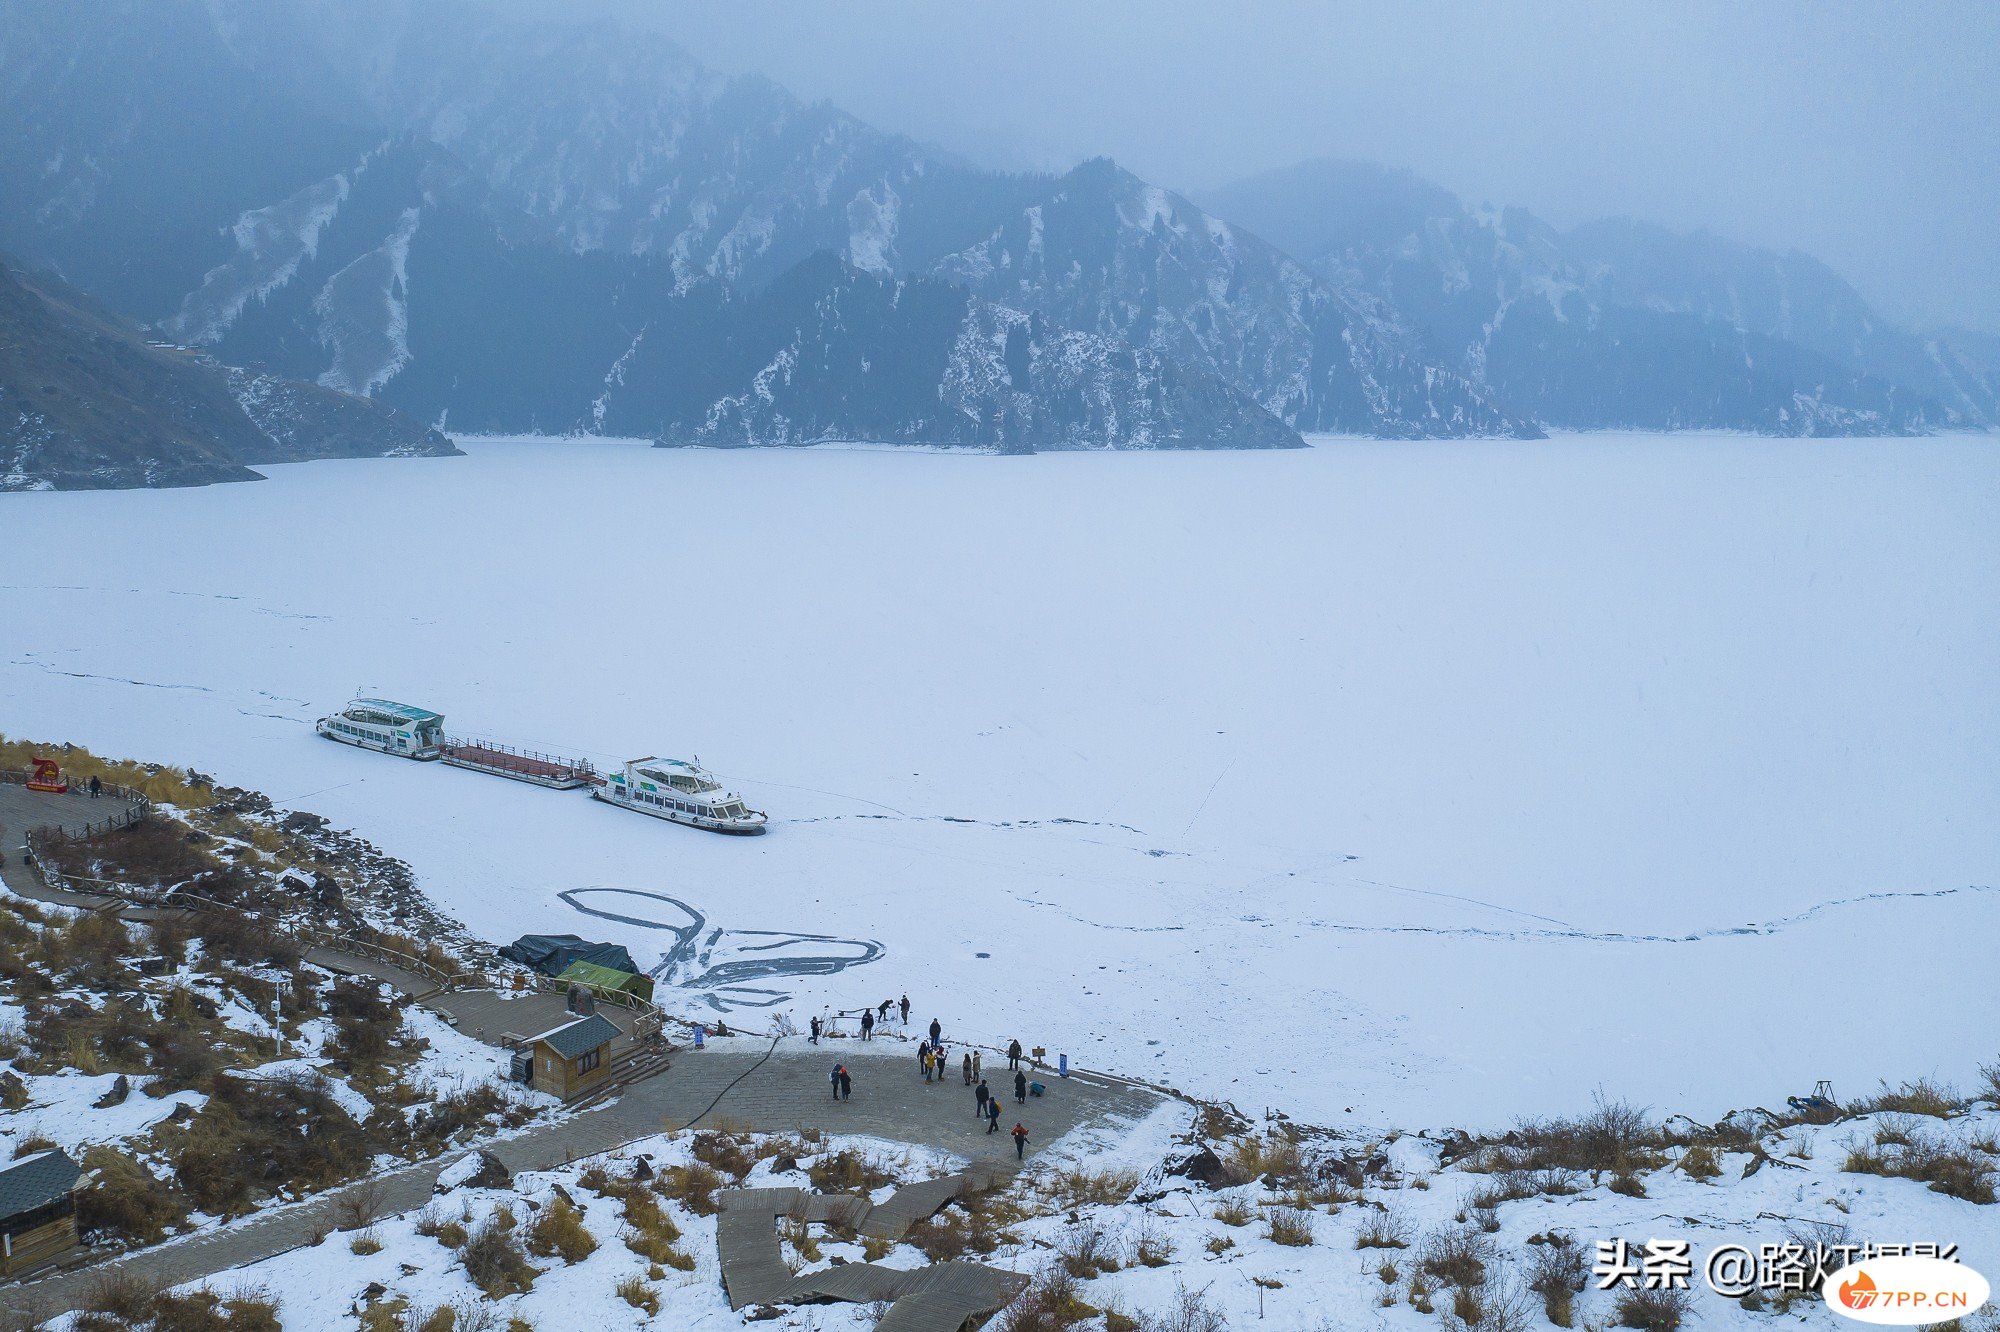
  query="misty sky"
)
[{"x": 1863, "y": 134}]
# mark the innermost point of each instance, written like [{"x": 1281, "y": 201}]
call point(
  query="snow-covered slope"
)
[{"x": 86, "y": 401}]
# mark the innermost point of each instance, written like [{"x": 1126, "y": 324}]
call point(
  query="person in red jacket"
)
[{"x": 1020, "y": 1142}]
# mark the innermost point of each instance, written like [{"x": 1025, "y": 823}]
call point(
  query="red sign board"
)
[{"x": 47, "y": 776}]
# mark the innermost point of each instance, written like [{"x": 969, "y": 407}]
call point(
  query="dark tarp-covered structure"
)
[
  {"x": 551, "y": 954},
  {"x": 600, "y": 979}
]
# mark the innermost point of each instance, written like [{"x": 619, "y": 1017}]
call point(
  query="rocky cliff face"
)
[
  {"x": 86, "y": 402},
  {"x": 848, "y": 351},
  {"x": 1103, "y": 251},
  {"x": 1616, "y": 323}
]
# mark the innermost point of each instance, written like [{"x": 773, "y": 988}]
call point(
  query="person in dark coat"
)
[
  {"x": 993, "y": 1115},
  {"x": 814, "y": 1038},
  {"x": 937, "y": 1030},
  {"x": 906, "y": 1010},
  {"x": 1020, "y": 1142},
  {"x": 95, "y": 786},
  {"x": 982, "y": 1098},
  {"x": 1013, "y": 1054},
  {"x": 1020, "y": 1087},
  {"x": 846, "y": 1085},
  {"x": 882, "y": 1013},
  {"x": 965, "y": 1068},
  {"x": 835, "y": 1079},
  {"x": 867, "y": 1025}
]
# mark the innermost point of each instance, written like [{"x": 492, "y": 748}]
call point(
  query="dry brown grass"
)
[
  {"x": 1614, "y": 1138},
  {"x": 126, "y": 1201},
  {"x": 1921, "y": 1097},
  {"x": 847, "y": 1171},
  {"x": 1955, "y": 1169},
  {"x": 1151, "y": 1247},
  {"x": 1051, "y": 1303},
  {"x": 1386, "y": 1229},
  {"x": 559, "y": 1232},
  {"x": 1654, "y": 1310},
  {"x": 252, "y": 1138},
  {"x": 635, "y": 1292},
  {"x": 1698, "y": 1162},
  {"x": 160, "y": 784},
  {"x": 1289, "y": 1226},
  {"x": 1073, "y": 1187},
  {"x": 1456, "y": 1257},
  {"x": 1557, "y": 1271},
  {"x": 693, "y": 1186},
  {"x": 724, "y": 1153},
  {"x": 495, "y": 1262},
  {"x": 1232, "y": 1212},
  {"x": 1267, "y": 1156}
]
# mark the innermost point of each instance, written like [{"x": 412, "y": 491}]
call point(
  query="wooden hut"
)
[
  {"x": 37, "y": 1209},
  {"x": 571, "y": 1059}
]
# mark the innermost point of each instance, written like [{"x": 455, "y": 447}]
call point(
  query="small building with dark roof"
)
[
  {"x": 37, "y": 1209},
  {"x": 571, "y": 1059}
]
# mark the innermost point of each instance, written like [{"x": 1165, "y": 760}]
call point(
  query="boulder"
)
[
  {"x": 1203, "y": 1167},
  {"x": 120, "y": 1089}
]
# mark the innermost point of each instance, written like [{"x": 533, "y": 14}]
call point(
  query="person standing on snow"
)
[
  {"x": 937, "y": 1030},
  {"x": 867, "y": 1025},
  {"x": 813, "y": 1039},
  {"x": 1013, "y": 1054},
  {"x": 906, "y": 1010}
]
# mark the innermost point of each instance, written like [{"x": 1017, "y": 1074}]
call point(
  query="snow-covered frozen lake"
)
[{"x": 1430, "y": 783}]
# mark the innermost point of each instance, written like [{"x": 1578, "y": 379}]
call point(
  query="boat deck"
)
[{"x": 562, "y": 774}]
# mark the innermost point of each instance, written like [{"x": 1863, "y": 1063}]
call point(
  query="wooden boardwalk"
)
[
  {"x": 22, "y": 810},
  {"x": 938, "y": 1298}
]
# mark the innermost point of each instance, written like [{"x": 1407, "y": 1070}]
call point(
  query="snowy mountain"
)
[
  {"x": 87, "y": 403},
  {"x": 597, "y": 157},
  {"x": 515, "y": 227},
  {"x": 1616, "y": 323},
  {"x": 1102, "y": 250}
]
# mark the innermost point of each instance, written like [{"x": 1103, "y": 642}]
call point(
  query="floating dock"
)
[{"x": 550, "y": 770}]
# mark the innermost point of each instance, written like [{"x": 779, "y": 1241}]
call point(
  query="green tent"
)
[{"x": 602, "y": 979}]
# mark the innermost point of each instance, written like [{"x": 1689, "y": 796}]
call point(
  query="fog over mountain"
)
[
  {"x": 500, "y": 223},
  {"x": 1863, "y": 134}
]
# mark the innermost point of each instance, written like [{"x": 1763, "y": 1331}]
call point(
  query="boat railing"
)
[{"x": 582, "y": 767}]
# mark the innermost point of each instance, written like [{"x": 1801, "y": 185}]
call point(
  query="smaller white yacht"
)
[
  {"x": 393, "y": 728},
  {"x": 681, "y": 792}
]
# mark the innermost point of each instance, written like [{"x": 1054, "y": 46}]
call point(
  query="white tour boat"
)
[
  {"x": 679, "y": 791},
  {"x": 393, "y": 728}
]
